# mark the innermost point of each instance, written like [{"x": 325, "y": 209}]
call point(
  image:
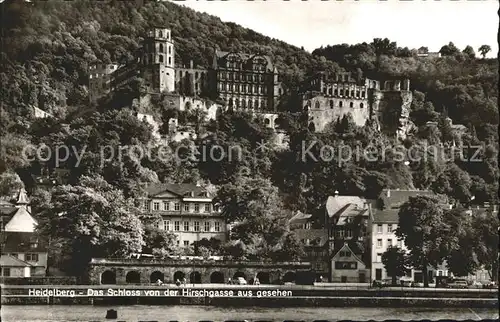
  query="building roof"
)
[
  {"x": 300, "y": 216},
  {"x": 221, "y": 55},
  {"x": 10, "y": 261},
  {"x": 386, "y": 216},
  {"x": 396, "y": 198},
  {"x": 179, "y": 189},
  {"x": 336, "y": 203},
  {"x": 21, "y": 242},
  {"x": 355, "y": 248}
]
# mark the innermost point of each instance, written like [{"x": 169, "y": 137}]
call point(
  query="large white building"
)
[{"x": 187, "y": 210}]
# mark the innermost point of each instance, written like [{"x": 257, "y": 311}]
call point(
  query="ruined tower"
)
[{"x": 158, "y": 60}]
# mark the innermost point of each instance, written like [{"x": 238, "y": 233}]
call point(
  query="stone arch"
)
[
  {"x": 264, "y": 277},
  {"x": 289, "y": 277},
  {"x": 195, "y": 277},
  {"x": 216, "y": 277},
  {"x": 133, "y": 277},
  {"x": 239, "y": 274},
  {"x": 179, "y": 275},
  {"x": 351, "y": 105},
  {"x": 312, "y": 127},
  {"x": 361, "y": 105},
  {"x": 155, "y": 276},
  {"x": 108, "y": 277},
  {"x": 331, "y": 103}
]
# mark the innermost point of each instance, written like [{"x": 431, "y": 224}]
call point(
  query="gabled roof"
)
[
  {"x": 353, "y": 248},
  {"x": 334, "y": 204},
  {"x": 300, "y": 216},
  {"x": 179, "y": 189},
  {"x": 221, "y": 55},
  {"x": 21, "y": 242},
  {"x": 10, "y": 261}
]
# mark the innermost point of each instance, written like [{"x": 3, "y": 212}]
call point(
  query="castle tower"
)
[{"x": 158, "y": 60}]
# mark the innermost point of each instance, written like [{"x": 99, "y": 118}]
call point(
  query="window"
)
[
  {"x": 166, "y": 206},
  {"x": 341, "y": 92},
  {"x": 389, "y": 242},
  {"x": 196, "y": 226},
  {"x": 156, "y": 206},
  {"x": 263, "y": 104},
  {"x": 166, "y": 225},
  {"x": 6, "y": 271},
  {"x": 161, "y": 48},
  {"x": 177, "y": 206},
  {"x": 389, "y": 228},
  {"x": 348, "y": 233},
  {"x": 207, "y": 207},
  {"x": 196, "y": 207},
  {"x": 330, "y": 91},
  {"x": 352, "y": 93},
  {"x": 146, "y": 205},
  {"x": 379, "y": 258},
  {"x": 346, "y": 265},
  {"x": 345, "y": 254},
  {"x": 379, "y": 243},
  {"x": 169, "y": 62},
  {"x": 363, "y": 94},
  {"x": 217, "y": 226},
  {"x": 336, "y": 92},
  {"x": 186, "y": 243},
  {"x": 186, "y": 226},
  {"x": 331, "y": 103},
  {"x": 230, "y": 76},
  {"x": 186, "y": 207},
  {"x": 357, "y": 93},
  {"x": 340, "y": 104},
  {"x": 351, "y": 104},
  {"x": 379, "y": 229},
  {"x": 440, "y": 273},
  {"x": 400, "y": 243},
  {"x": 207, "y": 226},
  {"x": 31, "y": 258},
  {"x": 169, "y": 49},
  {"x": 361, "y": 105},
  {"x": 177, "y": 225},
  {"x": 161, "y": 58}
]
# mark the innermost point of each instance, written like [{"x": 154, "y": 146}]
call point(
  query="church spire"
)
[{"x": 22, "y": 200}]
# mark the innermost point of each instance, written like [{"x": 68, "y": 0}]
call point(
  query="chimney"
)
[
  {"x": 191, "y": 64},
  {"x": 388, "y": 193}
]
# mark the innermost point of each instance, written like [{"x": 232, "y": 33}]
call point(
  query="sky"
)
[{"x": 312, "y": 24}]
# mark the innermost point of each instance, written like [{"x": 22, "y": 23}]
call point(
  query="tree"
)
[
  {"x": 424, "y": 231},
  {"x": 449, "y": 50},
  {"x": 469, "y": 52},
  {"x": 484, "y": 50},
  {"x": 394, "y": 260},
  {"x": 158, "y": 241},
  {"x": 292, "y": 249},
  {"x": 462, "y": 260},
  {"x": 486, "y": 227},
  {"x": 89, "y": 220}
]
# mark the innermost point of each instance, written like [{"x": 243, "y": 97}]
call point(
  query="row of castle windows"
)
[
  {"x": 196, "y": 75},
  {"x": 247, "y": 103},
  {"x": 242, "y": 77},
  {"x": 341, "y": 104},
  {"x": 238, "y": 65},
  {"x": 161, "y": 59},
  {"x": 162, "y": 50},
  {"x": 242, "y": 88},
  {"x": 342, "y": 92},
  {"x": 160, "y": 34}
]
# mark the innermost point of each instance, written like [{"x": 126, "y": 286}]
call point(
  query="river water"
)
[{"x": 59, "y": 313}]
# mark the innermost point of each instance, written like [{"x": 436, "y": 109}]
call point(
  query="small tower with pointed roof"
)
[{"x": 22, "y": 200}]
